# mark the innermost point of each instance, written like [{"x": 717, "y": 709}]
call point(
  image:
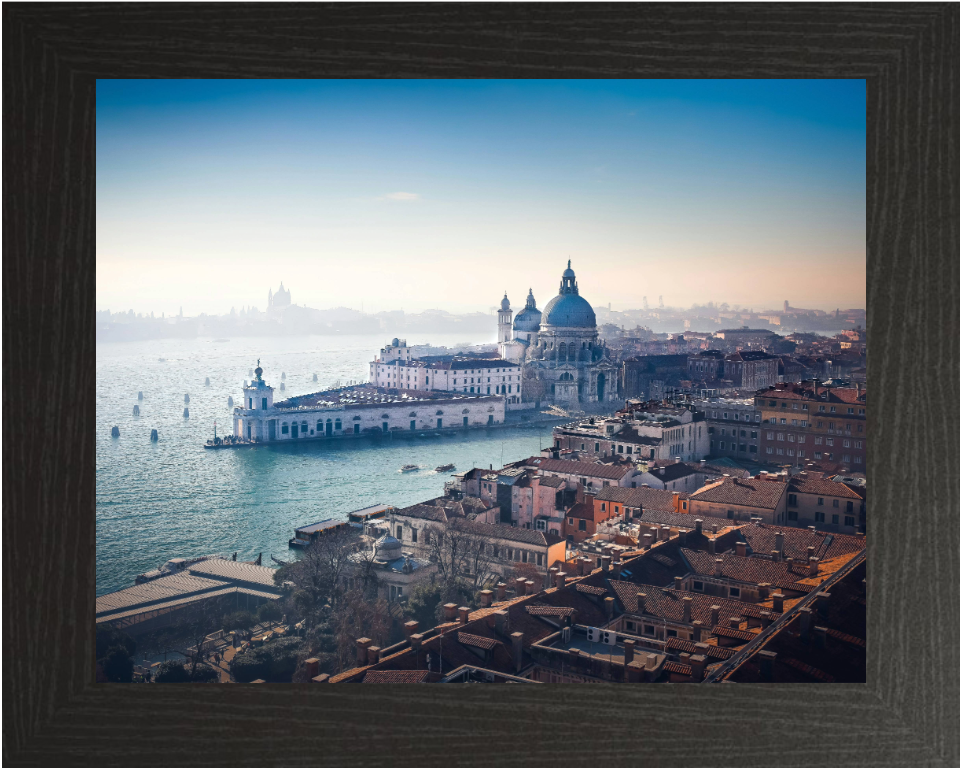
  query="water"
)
[{"x": 172, "y": 498}]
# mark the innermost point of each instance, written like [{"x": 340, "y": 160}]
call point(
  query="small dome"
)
[
  {"x": 388, "y": 547},
  {"x": 527, "y": 320},
  {"x": 505, "y": 304},
  {"x": 568, "y": 272}
]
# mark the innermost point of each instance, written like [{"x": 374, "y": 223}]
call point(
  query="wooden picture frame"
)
[{"x": 54, "y": 713}]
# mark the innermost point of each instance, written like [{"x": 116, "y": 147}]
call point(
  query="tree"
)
[
  {"x": 464, "y": 558},
  {"x": 117, "y": 665},
  {"x": 239, "y": 620},
  {"x": 172, "y": 672},
  {"x": 109, "y": 636},
  {"x": 318, "y": 576},
  {"x": 269, "y": 611}
]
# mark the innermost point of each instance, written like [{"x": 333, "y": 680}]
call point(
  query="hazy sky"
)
[{"x": 441, "y": 194}]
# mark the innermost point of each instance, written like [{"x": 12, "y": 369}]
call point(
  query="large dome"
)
[
  {"x": 569, "y": 311},
  {"x": 528, "y": 318}
]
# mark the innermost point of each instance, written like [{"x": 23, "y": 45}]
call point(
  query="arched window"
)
[
  {"x": 466, "y": 410},
  {"x": 284, "y": 428},
  {"x": 439, "y": 413},
  {"x": 355, "y": 418},
  {"x": 304, "y": 427},
  {"x": 337, "y": 424},
  {"x": 562, "y": 351},
  {"x": 319, "y": 425},
  {"x": 413, "y": 414}
]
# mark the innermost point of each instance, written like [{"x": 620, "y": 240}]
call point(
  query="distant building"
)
[
  {"x": 746, "y": 336},
  {"x": 278, "y": 300}
]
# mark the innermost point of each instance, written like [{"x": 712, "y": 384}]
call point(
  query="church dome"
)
[
  {"x": 528, "y": 318},
  {"x": 569, "y": 309},
  {"x": 505, "y": 304}
]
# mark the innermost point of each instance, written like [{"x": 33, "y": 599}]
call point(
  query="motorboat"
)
[
  {"x": 445, "y": 468},
  {"x": 409, "y": 468}
]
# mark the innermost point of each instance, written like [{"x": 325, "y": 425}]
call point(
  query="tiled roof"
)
[
  {"x": 736, "y": 634},
  {"x": 165, "y": 588},
  {"x": 232, "y": 570},
  {"x": 582, "y": 468},
  {"x": 761, "y": 494},
  {"x": 762, "y": 539},
  {"x": 551, "y": 482},
  {"x": 684, "y": 519},
  {"x": 815, "y": 483},
  {"x": 582, "y": 510},
  {"x": 509, "y": 533},
  {"x": 817, "y": 674},
  {"x": 754, "y": 570},
  {"x": 668, "y": 603},
  {"x": 678, "y": 668},
  {"x": 685, "y": 646},
  {"x": 476, "y": 641},
  {"x": 396, "y": 676},
  {"x": 549, "y": 610},
  {"x": 424, "y": 512},
  {"x": 648, "y": 498},
  {"x": 591, "y": 589},
  {"x": 669, "y": 472}
]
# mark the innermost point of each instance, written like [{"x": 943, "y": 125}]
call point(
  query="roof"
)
[
  {"x": 550, "y": 481},
  {"x": 232, "y": 570},
  {"x": 323, "y": 525},
  {"x": 581, "y": 510},
  {"x": 509, "y": 533},
  {"x": 648, "y": 498},
  {"x": 684, "y": 519},
  {"x": 755, "y": 570},
  {"x": 582, "y": 468},
  {"x": 669, "y": 472},
  {"x": 152, "y": 592},
  {"x": 485, "y": 643},
  {"x": 569, "y": 310},
  {"x": 762, "y": 538},
  {"x": 816, "y": 483},
  {"x": 762, "y": 494},
  {"x": 668, "y": 603}
]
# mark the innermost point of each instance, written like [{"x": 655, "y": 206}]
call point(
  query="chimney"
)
[
  {"x": 651, "y": 660},
  {"x": 765, "y": 619},
  {"x": 501, "y": 591},
  {"x": 820, "y": 637},
  {"x": 502, "y": 622},
  {"x": 775, "y": 555},
  {"x": 699, "y": 524},
  {"x": 320, "y": 678},
  {"x": 779, "y": 542},
  {"x": 362, "y": 644},
  {"x": 697, "y": 631},
  {"x": 678, "y": 583},
  {"x": 718, "y": 567},
  {"x": 530, "y": 587},
  {"x": 703, "y": 462},
  {"x": 312, "y": 667},
  {"x": 735, "y": 622},
  {"x": 777, "y": 601},
  {"x": 714, "y": 615},
  {"x": 663, "y": 470},
  {"x": 552, "y": 576},
  {"x": 741, "y": 549},
  {"x": 687, "y": 609},
  {"x": 562, "y": 578},
  {"x": 789, "y": 565},
  {"x": 373, "y": 654},
  {"x": 599, "y": 561},
  {"x": 486, "y": 598},
  {"x": 823, "y": 603},
  {"x": 628, "y": 648},
  {"x": 449, "y": 611},
  {"x": 812, "y": 566},
  {"x": 608, "y": 607},
  {"x": 416, "y": 641},
  {"x": 580, "y": 566},
  {"x": 764, "y": 588},
  {"x": 766, "y": 658},
  {"x": 521, "y": 587},
  {"x": 616, "y": 569},
  {"x": 698, "y": 663},
  {"x": 410, "y": 628},
  {"x": 517, "y": 638},
  {"x": 810, "y": 551},
  {"x": 641, "y": 603},
  {"x": 806, "y": 623},
  {"x": 464, "y": 614},
  {"x": 712, "y": 546}
]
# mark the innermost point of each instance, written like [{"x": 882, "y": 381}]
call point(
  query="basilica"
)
[{"x": 559, "y": 350}]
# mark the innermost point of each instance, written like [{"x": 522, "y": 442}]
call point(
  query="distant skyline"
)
[{"x": 442, "y": 194}]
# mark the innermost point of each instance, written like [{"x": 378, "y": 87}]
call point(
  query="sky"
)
[{"x": 433, "y": 194}]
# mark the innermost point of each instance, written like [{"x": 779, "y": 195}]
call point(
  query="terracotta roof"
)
[
  {"x": 648, "y": 498},
  {"x": 510, "y": 533},
  {"x": 668, "y": 603},
  {"x": 549, "y": 610},
  {"x": 583, "y": 510},
  {"x": 669, "y": 472},
  {"x": 817, "y": 674},
  {"x": 396, "y": 676},
  {"x": 591, "y": 589},
  {"x": 582, "y": 468},
  {"x": 761, "y": 494},
  {"x": 685, "y": 519},
  {"x": 685, "y": 646},
  {"x": 762, "y": 539},
  {"x": 754, "y": 570},
  {"x": 551, "y": 482},
  {"x": 677, "y": 668},
  {"x": 737, "y": 634},
  {"x": 815, "y": 483},
  {"x": 476, "y": 641}
]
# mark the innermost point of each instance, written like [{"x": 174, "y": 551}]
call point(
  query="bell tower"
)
[{"x": 504, "y": 321}]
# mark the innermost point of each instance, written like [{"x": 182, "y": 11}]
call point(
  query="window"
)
[
  {"x": 849, "y": 506},
  {"x": 400, "y": 532},
  {"x": 648, "y": 630},
  {"x": 818, "y": 440},
  {"x": 524, "y": 556},
  {"x": 753, "y": 449},
  {"x": 583, "y": 525},
  {"x": 836, "y": 519},
  {"x": 413, "y": 535},
  {"x": 801, "y": 453},
  {"x": 722, "y": 445},
  {"x": 631, "y": 627},
  {"x": 803, "y": 422},
  {"x": 770, "y": 450},
  {"x": 817, "y": 455},
  {"x": 858, "y": 444},
  {"x": 769, "y": 435},
  {"x": 848, "y": 521},
  {"x": 846, "y": 443},
  {"x": 735, "y": 592},
  {"x": 836, "y": 502},
  {"x": 833, "y": 409},
  {"x": 698, "y": 586},
  {"x": 753, "y": 435},
  {"x": 779, "y": 451},
  {"x": 571, "y": 521},
  {"x": 730, "y": 514},
  {"x": 829, "y": 441},
  {"x": 818, "y": 517},
  {"x": 792, "y": 514},
  {"x": 284, "y": 429},
  {"x": 540, "y": 558},
  {"x": 820, "y": 501},
  {"x": 671, "y": 633}
]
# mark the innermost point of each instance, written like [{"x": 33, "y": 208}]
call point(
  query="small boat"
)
[
  {"x": 162, "y": 360},
  {"x": 409, "y": 468},
  {"x": 445, "y": 468}
]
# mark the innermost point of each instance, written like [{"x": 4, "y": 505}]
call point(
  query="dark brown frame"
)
[{"x": 906, "y": 715}]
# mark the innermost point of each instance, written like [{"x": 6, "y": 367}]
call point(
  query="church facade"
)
[{"x": 559, "y": 350}]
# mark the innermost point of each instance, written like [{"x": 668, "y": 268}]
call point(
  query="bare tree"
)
[
  {"x": 464, "y": 558},
  {"x": 319, "y": 575}
]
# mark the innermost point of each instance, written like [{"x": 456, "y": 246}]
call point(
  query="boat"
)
[
  {"x": 162, "y": 360},
  {"x": 445, "y": 468},
  {"x": 409, "y": 468}
]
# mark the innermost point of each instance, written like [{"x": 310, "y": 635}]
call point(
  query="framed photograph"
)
[{"x": 507, "y": 344}]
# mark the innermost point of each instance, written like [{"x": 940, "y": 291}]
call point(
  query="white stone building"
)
[{"x": 355, "y": 411}]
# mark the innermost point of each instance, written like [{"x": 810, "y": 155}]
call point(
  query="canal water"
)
[{"x": 172, "y": 498}]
